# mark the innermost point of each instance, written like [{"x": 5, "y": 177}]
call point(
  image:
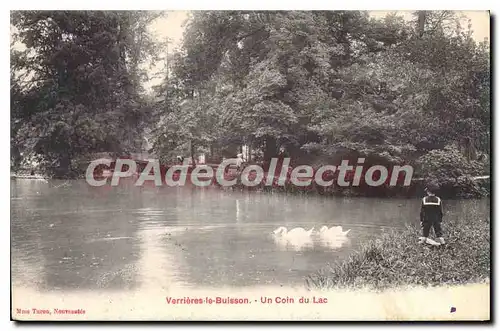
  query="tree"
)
[
  {"x": 78, "y": 90},
  {"x": 327, "y": 83}
]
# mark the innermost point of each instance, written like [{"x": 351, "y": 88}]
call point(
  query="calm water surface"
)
[{"x": 70, "y": 236}]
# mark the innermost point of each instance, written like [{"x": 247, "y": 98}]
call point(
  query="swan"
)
[
  {"x": 333, "y": 237},
  {"x": 282, "y": 231},
  {"x": 334, "y": 230},
  {"x": 296, "y": 239}
]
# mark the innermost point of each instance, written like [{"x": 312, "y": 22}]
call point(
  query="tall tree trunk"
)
[
  {"x": 422, "y": 15},
  {"x": 270, "y": 149},
  {"x": 64, "y": 168},
  {"x": 191, "y": 151}
]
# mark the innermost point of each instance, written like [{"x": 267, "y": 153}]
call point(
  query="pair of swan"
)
[
  {"x": 300, "y": 238},
  {"x": 334, "y": 230}
]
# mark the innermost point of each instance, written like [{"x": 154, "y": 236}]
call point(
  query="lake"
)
[{"x": 67, "y": 235}]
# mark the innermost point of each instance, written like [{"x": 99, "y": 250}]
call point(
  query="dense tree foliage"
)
[
  {"x": 322, "y": 84},
  {"x": 317, "y": 85},
  {"x": 76, "y": 86}
]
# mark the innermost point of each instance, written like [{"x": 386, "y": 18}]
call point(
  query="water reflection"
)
[
  {"x": 115, "y": 238},
  {"x": 293, "y": 243},
  {"x": 333, "y": 242},
  {"x": 155, "y": 263}
]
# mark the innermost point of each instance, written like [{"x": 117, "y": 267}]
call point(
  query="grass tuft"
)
[{"x": 397, "y": 259}]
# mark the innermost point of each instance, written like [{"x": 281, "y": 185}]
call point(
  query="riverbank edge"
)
[
  {"x": 410, "y": 192},
  {"x": 397, "y": 259}
]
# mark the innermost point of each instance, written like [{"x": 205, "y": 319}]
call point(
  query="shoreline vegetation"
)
[
  {"x": 468, "y": 187},
  {"x": 397, "y": 260}
]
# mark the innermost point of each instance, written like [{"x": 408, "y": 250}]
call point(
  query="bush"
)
[
  {"x": 396, "y": 259},
  {"x": 453, "y": 173}
]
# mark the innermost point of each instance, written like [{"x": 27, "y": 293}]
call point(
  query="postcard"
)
[{"x": 250, "y": 165}]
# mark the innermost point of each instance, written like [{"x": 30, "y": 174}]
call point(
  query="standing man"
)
[
  {"x": 431, "y": 214},
  {"x": 239, "y": 162},
  {"x": 239, "y": 167}
]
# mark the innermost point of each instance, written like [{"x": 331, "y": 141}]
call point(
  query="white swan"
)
[
  {"x": 334, "y": 230},
  {"x": 333, "y": 237},
  {"x": 282, "y": 231},
  {"x": 296, "y": 239}
]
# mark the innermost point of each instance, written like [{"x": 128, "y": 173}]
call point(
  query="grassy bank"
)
[{"x": 396, "y": 259}]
